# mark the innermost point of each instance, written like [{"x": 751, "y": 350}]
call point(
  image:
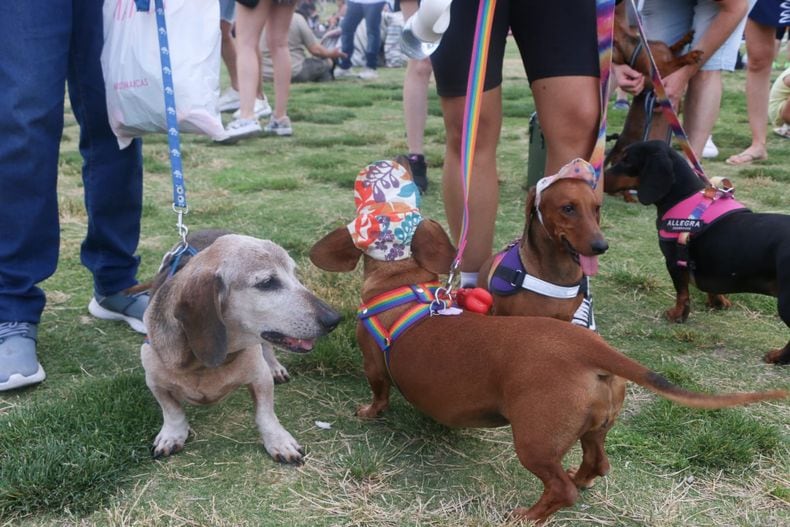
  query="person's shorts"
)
[
  {"x": 772, "y": 13},
  {"x": 669, "y": 20},
  {"x": 554, "y": 38},
  {"x": 227, "y": 10}
]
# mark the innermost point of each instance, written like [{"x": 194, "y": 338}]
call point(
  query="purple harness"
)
[{"x": 510, "y": 276}]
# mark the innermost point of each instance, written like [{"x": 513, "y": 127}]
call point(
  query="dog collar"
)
[{"x": 510, "y": 276}]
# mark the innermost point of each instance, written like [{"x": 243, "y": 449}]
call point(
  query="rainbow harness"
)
[
  {"x": 693, "y": 215},
  {"x": 426, "y": 304}
]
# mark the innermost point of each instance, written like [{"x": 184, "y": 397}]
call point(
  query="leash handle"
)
[
  {"x": 173, "y": 136},
  {"x": 666, "y": 105},
  {"x": 605, "y": 30}
]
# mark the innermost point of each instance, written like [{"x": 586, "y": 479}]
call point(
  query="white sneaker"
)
[
  {"x": 280, "y": 127},
  {"x": 239, "y": 129},
  {"x": 340, "y": 73},
  {"x": 368, "y": 74},
  {"x": 261, "y": 109},
  {"x": 710, "y": 150},
  {"x": 229, "y": 100}
]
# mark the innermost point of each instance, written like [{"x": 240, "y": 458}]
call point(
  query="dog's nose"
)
[
  {"x": 599, "y": 246},
  {"x": 328, "y": 317}
]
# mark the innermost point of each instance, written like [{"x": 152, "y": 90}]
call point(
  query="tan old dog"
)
[
  {"x": 468, "y": 370},
  {"x": 544, "y": 274},
  {"x": 211, "y": 327}
]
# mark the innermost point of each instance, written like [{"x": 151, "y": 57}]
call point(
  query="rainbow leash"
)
[
  {"x": 474, "y": 93},
  {"x": 664, "y": 103},
  {"x": 605, "y": 29}
]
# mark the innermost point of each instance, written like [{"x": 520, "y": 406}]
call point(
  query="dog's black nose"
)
[
  {"x": 599, "y": 246},
  {"x": 328, "y": 317}
]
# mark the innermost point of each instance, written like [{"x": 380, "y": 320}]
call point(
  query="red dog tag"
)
[{"x": 476, "y": 299}]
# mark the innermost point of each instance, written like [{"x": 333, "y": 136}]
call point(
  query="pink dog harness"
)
[{"x": 695, "y": 214}]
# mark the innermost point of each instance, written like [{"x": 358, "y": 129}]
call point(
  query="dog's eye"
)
[
  {"x": 267, "y": 284},
  {"x": 568, "y": 209}
]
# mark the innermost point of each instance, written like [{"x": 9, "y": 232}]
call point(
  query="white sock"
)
[{"x": 468, "y": 279}]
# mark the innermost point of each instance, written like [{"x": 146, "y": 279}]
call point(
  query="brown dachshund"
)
[
  {"x": 628, "y": 49},
  {"x": 560, "y": 385},
  {"x": 559, "y": 246}
]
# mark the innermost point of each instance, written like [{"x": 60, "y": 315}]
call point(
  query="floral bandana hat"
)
[
  {"x": 387, "y": 203},
  {"x": 576, "y": 169}
]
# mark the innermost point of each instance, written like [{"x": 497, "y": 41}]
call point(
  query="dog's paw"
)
[
  {"x": 168, "y": 442},
  {"x": 283, "y": 447},
  {"x": 779, "y": 357},
  {"x": 677, "y": 314},
  {"x": 369, "y": 411},
  {"x": 280, "y": 374},
  {"x": 578, "y": 480},
  {"x": 718, "y": 302}
]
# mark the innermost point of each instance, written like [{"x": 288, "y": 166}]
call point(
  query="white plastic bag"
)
[{"x": 133, "y": 71}]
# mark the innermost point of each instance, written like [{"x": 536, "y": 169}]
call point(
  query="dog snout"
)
[
  {"x": 327, "y": 317},
  {"x": 599, "y": 246}
]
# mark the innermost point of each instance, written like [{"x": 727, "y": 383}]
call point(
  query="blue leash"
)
[{"x": 173, "y": 135}]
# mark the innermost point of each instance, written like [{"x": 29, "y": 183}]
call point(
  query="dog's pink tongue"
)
[
  {"x": 589, "y": 265},
  {"x": 305, "y": 344}
]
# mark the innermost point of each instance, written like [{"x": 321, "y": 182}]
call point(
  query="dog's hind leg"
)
[
  {"x": 279, "y": 373},
  {"x": 175, "y": 429},
  {"x": 594, "y": 460},
  {"x": 782, "y": 355},
  {"x": 540, "y": 450},
  {"x": 279, "y": 443}
]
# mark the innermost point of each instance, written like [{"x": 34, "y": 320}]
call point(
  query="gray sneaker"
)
[
  {"x": 129, "y": 308},
  {"x": 18, "y": 362},
  {"x": 280, "y": 127}
]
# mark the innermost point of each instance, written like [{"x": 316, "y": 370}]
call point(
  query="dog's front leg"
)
[
  {"x": 716, "y": 301},
  {"x": 279, "y": 373},
  {"x": 277, "y": 441},
  {"x": 680, "y": 279},
  {"x": 380, "y": 383},
  {"x": 175, "y": 429}
]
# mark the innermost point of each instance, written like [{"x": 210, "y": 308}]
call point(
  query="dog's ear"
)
[
  {"x": 529, "y": 209},
  {"x": 200, "y": 312},
  {"x": 432, "y": 248},
  {"x": 335, "y": 252},
  {"x": 655, "y": 178}
]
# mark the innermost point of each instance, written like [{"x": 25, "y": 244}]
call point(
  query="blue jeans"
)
[
  {"x": 354, "y": 14},
  {"x": 45, "y": 44}
]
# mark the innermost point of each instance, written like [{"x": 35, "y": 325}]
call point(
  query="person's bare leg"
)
[
  {"x": 415, "y": 92},
  {"x": 569, "y": 110},
  {"x": 249, "y": 25},
  {"x": 277, "y": 41},
  {"x": 484, "y": 186},
  {"x": 701, "y": 108},
  {"x": 761, "y": 49},
  {"x": 228, "y": 50}
]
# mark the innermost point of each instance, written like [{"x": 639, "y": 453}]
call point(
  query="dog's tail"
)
[{"x": 618, "y": 364}]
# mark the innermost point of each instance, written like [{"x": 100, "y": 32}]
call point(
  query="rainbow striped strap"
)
[
  {"x": 423, "y": 295},
  {"x": 474, "y": 94},
  {"x": 605, "y": 30},
  {"x": 666, "y": 106}
]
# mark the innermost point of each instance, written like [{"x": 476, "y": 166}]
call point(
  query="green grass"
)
[{"x": 74, "y": 450}]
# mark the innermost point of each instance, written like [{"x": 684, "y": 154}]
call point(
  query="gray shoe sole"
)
[
  {"x": 17, "y": 380},
  {"x": 105, "y": 314}
]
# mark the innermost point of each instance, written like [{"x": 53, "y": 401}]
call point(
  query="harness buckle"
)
[{"x": 517, "y": 276}]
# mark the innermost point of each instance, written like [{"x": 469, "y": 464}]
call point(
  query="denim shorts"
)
[
  {"x": 227, "y": 10},
  {"x": 669, "y": 20}
]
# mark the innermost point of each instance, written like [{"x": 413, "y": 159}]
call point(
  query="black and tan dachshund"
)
[{"x": 741, "y": 252}]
